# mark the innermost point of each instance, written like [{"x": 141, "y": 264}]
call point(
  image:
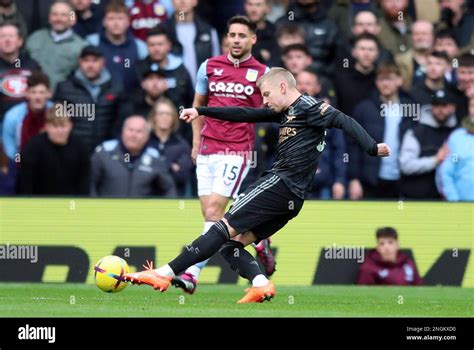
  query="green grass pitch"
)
[{"x": 77, "y": 300}]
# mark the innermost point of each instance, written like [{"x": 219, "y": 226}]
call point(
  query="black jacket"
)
[
  {"x": 367, "y": 113},
  {"x": 321, "y": 36},
  {"x": 50, "y": 169},
  {"x": 352, "y": 87},
  {"x": 181, "y": 91},
  {"x": 111, "y": 108}
]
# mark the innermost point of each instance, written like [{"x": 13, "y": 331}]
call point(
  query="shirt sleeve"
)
[
  {"x": 324, "y": 115},
  {"x": 241, "y": 114},
  {"x": 202, "y": 82}
]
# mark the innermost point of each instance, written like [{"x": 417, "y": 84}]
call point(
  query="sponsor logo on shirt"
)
[
  {"x": 231, "y": 88},
  {"x": 14, "y": 85}
]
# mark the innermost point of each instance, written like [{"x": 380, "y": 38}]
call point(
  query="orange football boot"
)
[
  {"x": 258, "y": 294},
  {"x": 150, "y": 277}
]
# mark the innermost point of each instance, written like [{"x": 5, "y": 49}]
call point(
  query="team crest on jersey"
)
[
  {"x": 159, "y": 10},
  {"x": 251, "y": 75},
  {"x": 218, "y": 72}
]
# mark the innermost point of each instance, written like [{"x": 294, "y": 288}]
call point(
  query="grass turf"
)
[{"x": 77, "y": 300}]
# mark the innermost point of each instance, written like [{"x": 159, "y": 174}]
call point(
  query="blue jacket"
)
[
  {"x": 454, "y": 178},
  {"x": 132, "y": 50},
  {"x": 12, "y": 128}
]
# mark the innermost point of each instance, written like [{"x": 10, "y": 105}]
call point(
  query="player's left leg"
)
[{"x": 199, "y": 250}]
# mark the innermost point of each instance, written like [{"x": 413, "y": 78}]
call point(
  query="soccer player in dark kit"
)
[{"x": 277, "y": 197}]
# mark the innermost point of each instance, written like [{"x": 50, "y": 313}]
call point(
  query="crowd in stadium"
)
[{"x": 117, "y": 72}]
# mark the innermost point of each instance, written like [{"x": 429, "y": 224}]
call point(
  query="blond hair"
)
[
  {"x": 276, "y": 75},
  {"x": 169, "y": 103}
]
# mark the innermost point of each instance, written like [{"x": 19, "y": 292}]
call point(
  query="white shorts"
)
[{"x": 221, "y": 174}]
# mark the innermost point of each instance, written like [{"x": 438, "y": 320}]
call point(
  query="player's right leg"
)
[{"x": 200, "y": 249}]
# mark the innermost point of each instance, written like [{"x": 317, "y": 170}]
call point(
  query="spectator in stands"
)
[
  {"x": 456, "y": 16},
  {"x": 179, "y": 87},
  {"x": 153, "y": 88},
  {"x": 311, "y": 83},
  {"x": 8, "y": 173},
  {"x": 15, "y": 67},
  {"x": 296, "y": 58},
  {"x": 121, "y": 50},
  {"x": 99, "y": 103},
  {"x": 454, "y": 178},
  {"x": 395, "y": 26},
  {"x": 423, "y": 147},
  {"x": 55, "y": 162},
  {"x": 266, "y": 47},
  {"x": 9, "y": 14},
  {"x": 345, "y": 13},
  {"x": 35, "y": 13},
  {"x": 191, "y": 36},
  {"x": 57, "y": 48},
  {"x": 386, "y": 115},
  {"x": 321, "y": 33},
  {"x": 447, "y": 42},
  {"x": 464, "y": 90},
  {"x": 413, "y": 62},
  {"x": 127, "y": 167},
  {"x": 174, "y": 150},
  {"x": 147, "y": 14},
  {"x": 355, "y": 82},
  {"x": 364, "y": 22},
  {"x": 437, "y": 65},
  {"x": 28, "y": 118},
  {"x": 88, "y": 17},
  {"x": 286, "y": 34},
  {"x": 386, "y": 264}
]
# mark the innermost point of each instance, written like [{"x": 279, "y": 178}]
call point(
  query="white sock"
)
[
  {"x": 259, "y": 281},
  {"x": 207, "y": 226},
  {"x": 195, "y": 270},
  {"x": 165, "y": 270}
]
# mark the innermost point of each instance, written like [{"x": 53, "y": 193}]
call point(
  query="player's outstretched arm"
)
[
  {"x": 232, "y": 114},
  {"x": 353, "y": 128}
]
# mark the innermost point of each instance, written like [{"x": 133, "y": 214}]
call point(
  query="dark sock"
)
[
  {"x": 202, "y": 248},
  {"x": 240, "y": 260}
]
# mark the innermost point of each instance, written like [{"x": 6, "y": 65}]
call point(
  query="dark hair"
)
[
  {"x": 289, "y": 29},
  {"x": 13, "y": 24},
  {"x": 367, "y": 36},
  {"x": 447, "y": 34},
  {"x": 441, "y": 54},
  {"x": 386, "y": 232},
  {"x": 387, "y": 68},
  {"x": 116, "y": 6},
  {"x": 242, "y": 20},
  {"x": 296, "y": 47},
  {"x": 309, "y": 71},
  {"x": 159, "y": 30},
  {"x": 466, "y": 60},
  {"x": 37, "y": 78}
]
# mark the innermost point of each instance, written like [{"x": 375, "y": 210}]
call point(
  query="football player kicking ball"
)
[
  {"x": 275, "y": 198},
  {"x": 223, "y": 151}
]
